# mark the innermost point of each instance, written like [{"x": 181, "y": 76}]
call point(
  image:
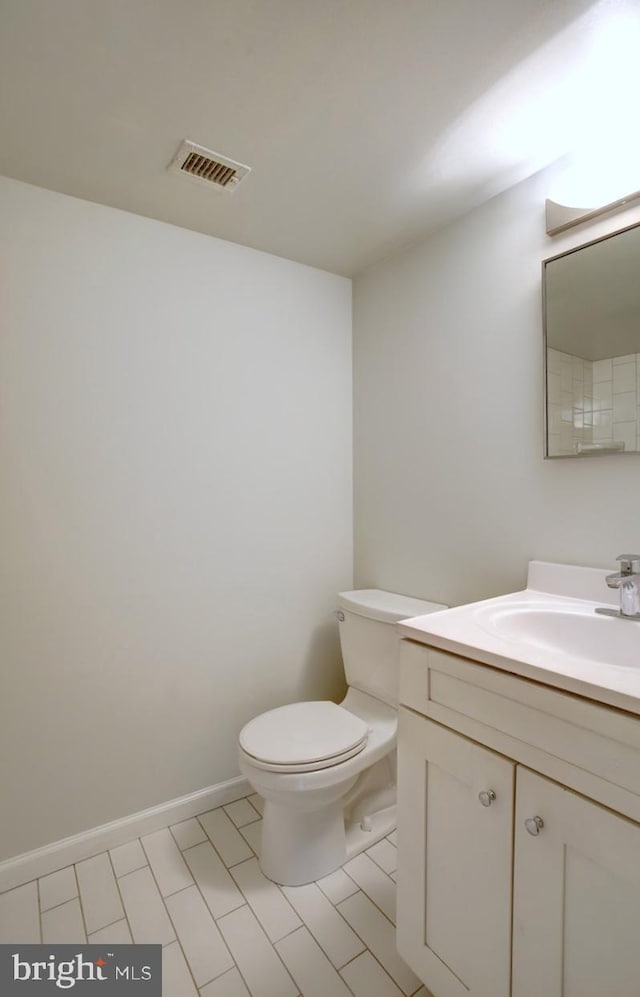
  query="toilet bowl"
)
[{"x": 326, "y": 771}]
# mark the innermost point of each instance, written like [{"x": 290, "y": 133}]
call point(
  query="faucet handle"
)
[{"x": 629, "y": 563}]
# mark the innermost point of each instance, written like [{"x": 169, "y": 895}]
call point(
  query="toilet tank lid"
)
[{"x": 388, "y": 607}]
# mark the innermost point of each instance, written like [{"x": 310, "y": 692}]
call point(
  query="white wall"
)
[
  {"x": 452, "y": 495},
  {"x": 175, "y": 505}
]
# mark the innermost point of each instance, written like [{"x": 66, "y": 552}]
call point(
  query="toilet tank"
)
[{"x": 369, "y": 640}]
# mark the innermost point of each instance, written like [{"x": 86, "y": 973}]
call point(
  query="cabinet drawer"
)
[{"x": 594, "y": 749}]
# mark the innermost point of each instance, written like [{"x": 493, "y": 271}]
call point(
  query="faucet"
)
[{"x": 628, "y": 581}]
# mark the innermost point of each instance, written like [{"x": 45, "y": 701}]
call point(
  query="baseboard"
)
[{"x": 41, "y": 861}]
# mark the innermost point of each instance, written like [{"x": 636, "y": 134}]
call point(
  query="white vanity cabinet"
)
[{"x": 519, "y": 835}]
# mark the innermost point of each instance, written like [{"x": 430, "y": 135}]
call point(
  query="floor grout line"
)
[
  {"x": 361, "y": 889},
  {"x": 367, "y": 949},
  {"x": 168, "y": 912},
  {"x": 62, "y": 902},
  {"x": 110, "y": 924},
  {"x": 381, "y": 868},
  {"x": 37, "y": 882},
  {"x": 126, "y": 916},
  {"x": 84, "y": 920},
  {"x": 184, "y": 956},
  {"x": 165, "y": 896},
  {"x": 212, "y": 843},
  {"x": 382, "y": 967},
  {"x": 316, "y": 939}
]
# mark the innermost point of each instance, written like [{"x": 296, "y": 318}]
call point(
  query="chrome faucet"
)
[{"x": 628, "y": 581}]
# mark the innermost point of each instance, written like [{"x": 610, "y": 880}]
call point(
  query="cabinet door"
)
[
  {"x": 454, "y": 861},
  {"x": 576, "y": 896}
]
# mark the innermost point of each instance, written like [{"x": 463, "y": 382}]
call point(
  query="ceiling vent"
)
[{"x": 207, "y": 167}]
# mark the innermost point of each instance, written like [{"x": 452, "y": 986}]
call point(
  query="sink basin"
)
[
  {"x": 549, "y": 632},
  {"x": 568, "y": 628}
]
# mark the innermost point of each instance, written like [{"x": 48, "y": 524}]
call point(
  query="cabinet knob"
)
[
  {"x": 486, "y": 797},
  {"x": 534, "y": 825}
]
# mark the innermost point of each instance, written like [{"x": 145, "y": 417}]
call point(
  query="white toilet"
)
[{"x": 327, "y": 773}]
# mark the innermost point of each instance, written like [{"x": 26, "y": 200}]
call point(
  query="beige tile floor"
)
[{"x": 197, "y": 889}]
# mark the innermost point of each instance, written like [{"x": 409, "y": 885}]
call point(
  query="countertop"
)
[{"x": 464, "y": 631}]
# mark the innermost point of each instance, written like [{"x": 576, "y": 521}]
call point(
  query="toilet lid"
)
[{"x": 304, "y": 734}]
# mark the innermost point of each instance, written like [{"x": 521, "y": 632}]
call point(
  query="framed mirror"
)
[{"x": 591, "y": 306}]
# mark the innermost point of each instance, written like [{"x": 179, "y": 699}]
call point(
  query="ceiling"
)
[{"x": 367, "y": 123}]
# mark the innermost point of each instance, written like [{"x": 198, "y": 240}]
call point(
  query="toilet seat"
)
[{"x": 303, "y": 737}]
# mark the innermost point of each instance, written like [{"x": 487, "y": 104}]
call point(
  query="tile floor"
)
[{"x": 196, "y": 887}]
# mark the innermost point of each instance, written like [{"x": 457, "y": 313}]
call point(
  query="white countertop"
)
[{"x": 468, "y": 631}]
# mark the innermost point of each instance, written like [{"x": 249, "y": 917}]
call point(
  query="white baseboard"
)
[{"x": 41, "y": 861}]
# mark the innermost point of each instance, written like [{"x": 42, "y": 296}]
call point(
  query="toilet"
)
[{"x": 327, "y": 772}]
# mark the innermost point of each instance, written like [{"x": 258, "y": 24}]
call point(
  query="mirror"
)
[{"x": 592, "y": 347}]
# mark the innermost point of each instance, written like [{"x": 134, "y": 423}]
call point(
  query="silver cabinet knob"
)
[
  {"x": 340, "y": 615},
  {"x": 486, "y": 797},
  {"x": 534, "y": 825}
]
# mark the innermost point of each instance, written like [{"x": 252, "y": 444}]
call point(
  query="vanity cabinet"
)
[{"x": 516, "y": 876}]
